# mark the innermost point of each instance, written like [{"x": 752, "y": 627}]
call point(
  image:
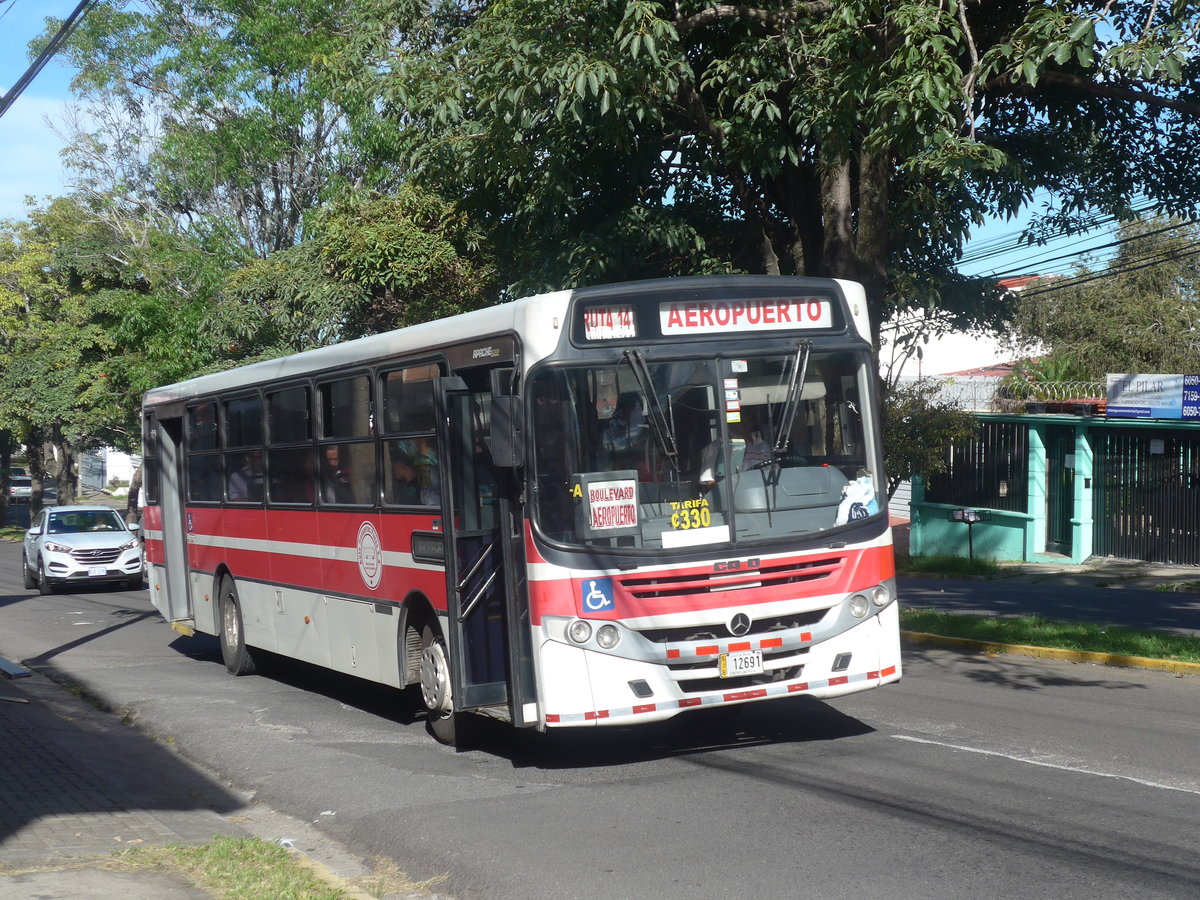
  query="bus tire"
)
[
  {"x": 234, "y": 652},
  {"x": 440, "y": 718}
]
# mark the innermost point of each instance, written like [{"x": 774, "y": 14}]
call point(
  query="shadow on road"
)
[{"x": 1018, "y": 673}]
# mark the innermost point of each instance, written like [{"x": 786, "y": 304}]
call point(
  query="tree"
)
[
  {"x": 88, "y": 322},
  {"x": 373, "y": 263},
  {"x": 857, "y": 139},
  {"x": 1138, "y": 313},
  {"x": 918, "y": 429},
  {"x": 211, "y": 115}
]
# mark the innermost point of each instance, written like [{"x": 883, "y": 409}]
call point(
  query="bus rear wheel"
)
[
  {"x": 234, "y": 652},
  {"x": 436, "y": 693}
]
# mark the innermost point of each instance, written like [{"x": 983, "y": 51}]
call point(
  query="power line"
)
[
  {"x": 1153, "y": 258},
  {"x": 64, "y": 31}
]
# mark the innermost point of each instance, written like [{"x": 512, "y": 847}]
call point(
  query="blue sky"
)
[{"x": 29, "y": 149}]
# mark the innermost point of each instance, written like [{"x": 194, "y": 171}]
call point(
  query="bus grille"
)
[
  {"x": 716, "y": 632},
  {"x": 96, "y": 557},
  {"x": 766, "y": 574}
]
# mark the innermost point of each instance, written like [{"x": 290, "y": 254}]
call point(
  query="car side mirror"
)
[
  {"x": 35, "y": 531},
  {"x": 134, "y": 526}
]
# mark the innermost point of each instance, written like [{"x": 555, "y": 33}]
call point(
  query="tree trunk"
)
[
  {"x": 66, "y": 478},
  {"x": 36, "y": 456},
  {"x": 132, "y": 506}
]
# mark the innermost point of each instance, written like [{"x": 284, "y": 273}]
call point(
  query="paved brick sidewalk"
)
[{"x": 76, "y": 785}]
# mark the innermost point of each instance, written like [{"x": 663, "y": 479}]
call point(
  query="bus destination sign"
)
[
  {"x": 1153, "y": 397},
  {"x": 751, "y": 314},
  {"x": 609, "y": 323}
]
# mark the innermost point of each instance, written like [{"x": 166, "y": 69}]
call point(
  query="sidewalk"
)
[{"x": 77, "y": 787}]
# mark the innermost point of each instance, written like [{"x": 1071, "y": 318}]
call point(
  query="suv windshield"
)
[{"x": 652, "y": 455}]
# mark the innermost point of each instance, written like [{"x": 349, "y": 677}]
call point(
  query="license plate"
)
[
  {"x": 741, "y": 662},
  {"x": 97, "y": 571}
]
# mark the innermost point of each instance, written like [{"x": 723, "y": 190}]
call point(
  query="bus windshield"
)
[{"x": 653, "y": 455}]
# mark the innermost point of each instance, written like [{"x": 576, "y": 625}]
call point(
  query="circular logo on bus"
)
[{"x": 370, "y": 555}]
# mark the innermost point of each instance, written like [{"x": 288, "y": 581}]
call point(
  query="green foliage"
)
[
  {"x": 861, "y": 139},
  {"x": 212, "y": 111},
  {"x": 917, "y": 429},
  {"x": 373, "y": 264},
  {"x": 1140, "y": 313}
]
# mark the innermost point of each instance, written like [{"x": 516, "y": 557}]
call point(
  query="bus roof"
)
[{"x": 530, "y": 316}]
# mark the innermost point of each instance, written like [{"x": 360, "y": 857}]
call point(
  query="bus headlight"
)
[
  {"x": 881, "y": 596},
  {"x": 608, "y": 636},
  {"x": 579, "y": 631},
  {"x": 858, "y": 606}
]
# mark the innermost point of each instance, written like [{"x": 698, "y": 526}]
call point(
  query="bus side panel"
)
[{"x": 402, "y": 575}]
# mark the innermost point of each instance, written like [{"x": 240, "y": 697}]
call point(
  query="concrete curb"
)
[{"x": 1076, "y": 656}]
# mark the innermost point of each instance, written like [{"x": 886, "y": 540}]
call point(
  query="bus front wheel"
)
[
  {"x": 236, "y": 655},
  {"x": 435, "y": 687}
]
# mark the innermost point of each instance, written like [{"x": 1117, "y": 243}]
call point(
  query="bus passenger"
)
[
  {"x": 246, "y": 483},
  {"x": 406, "y": 483},
  {"x": 335, "y": 479}
]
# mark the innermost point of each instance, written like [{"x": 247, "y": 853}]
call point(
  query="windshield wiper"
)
[
  {"x": 791, "y": 406},
  {"x": 654, "y": 411}
]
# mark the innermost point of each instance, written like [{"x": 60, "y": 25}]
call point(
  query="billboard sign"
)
[{"x": 1154, "y": 396}]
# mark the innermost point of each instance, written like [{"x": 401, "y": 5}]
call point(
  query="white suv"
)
[{"x": 81, "y": 545}]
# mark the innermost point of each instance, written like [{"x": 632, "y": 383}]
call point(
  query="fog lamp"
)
[
  {"x": 579, "y": 631},
  {"x": 608, "y": 636},
  {"x": 859, "y": 606}
]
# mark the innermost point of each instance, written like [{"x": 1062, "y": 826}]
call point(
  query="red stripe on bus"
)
[
  {"x": 673, "y": 654},
  {"x": 742, "y": 645},
  {"x": 890, "y": 670},
  {"x": 802, "y": 686},
  {"x": 690, "y": 701},
  {"x": 650, "y": 707},
  {"x": 844, "y": 679},
  {"x": 744, "y": 695},
  {"x": 708, "y": 650},
  {"x": 771, "y": 642}
]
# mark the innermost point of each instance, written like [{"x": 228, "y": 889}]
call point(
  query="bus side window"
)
[
  {"x": 243, "y": 421},
  {"x": 204, "y": 477},
  {"x": 411, "y": 473},
  {"x": 347, "y": 458},
  {"x": 292, "y": 466},
  {"x": 151, "y": 470}
]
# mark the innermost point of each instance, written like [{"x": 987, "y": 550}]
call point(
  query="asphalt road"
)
[{"x": 975, "y": 776}]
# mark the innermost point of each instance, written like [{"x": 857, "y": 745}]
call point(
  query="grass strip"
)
[
  {"x": 1035, "y": 631},
  {"x": 238, "y": 869}
]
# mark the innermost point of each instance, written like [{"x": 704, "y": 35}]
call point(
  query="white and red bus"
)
[{"x": 596, "y": 506}]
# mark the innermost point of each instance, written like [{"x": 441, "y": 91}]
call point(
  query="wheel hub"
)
[{"x": 435, "y": 678}]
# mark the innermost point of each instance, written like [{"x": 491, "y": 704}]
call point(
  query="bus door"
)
[
  {"x": 171, "y": 595},
  {"x": 488, "y": 609}
]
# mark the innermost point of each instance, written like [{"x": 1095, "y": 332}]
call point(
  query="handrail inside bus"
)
[{"x": 479, "y": 595}]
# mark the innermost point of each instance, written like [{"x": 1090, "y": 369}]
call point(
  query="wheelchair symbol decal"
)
[{"x": 596, "y": 595}]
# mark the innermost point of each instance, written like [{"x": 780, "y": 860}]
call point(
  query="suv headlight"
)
[
  {"x": 56, "y": 548},
  {"x": 128, "y": 545}
]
